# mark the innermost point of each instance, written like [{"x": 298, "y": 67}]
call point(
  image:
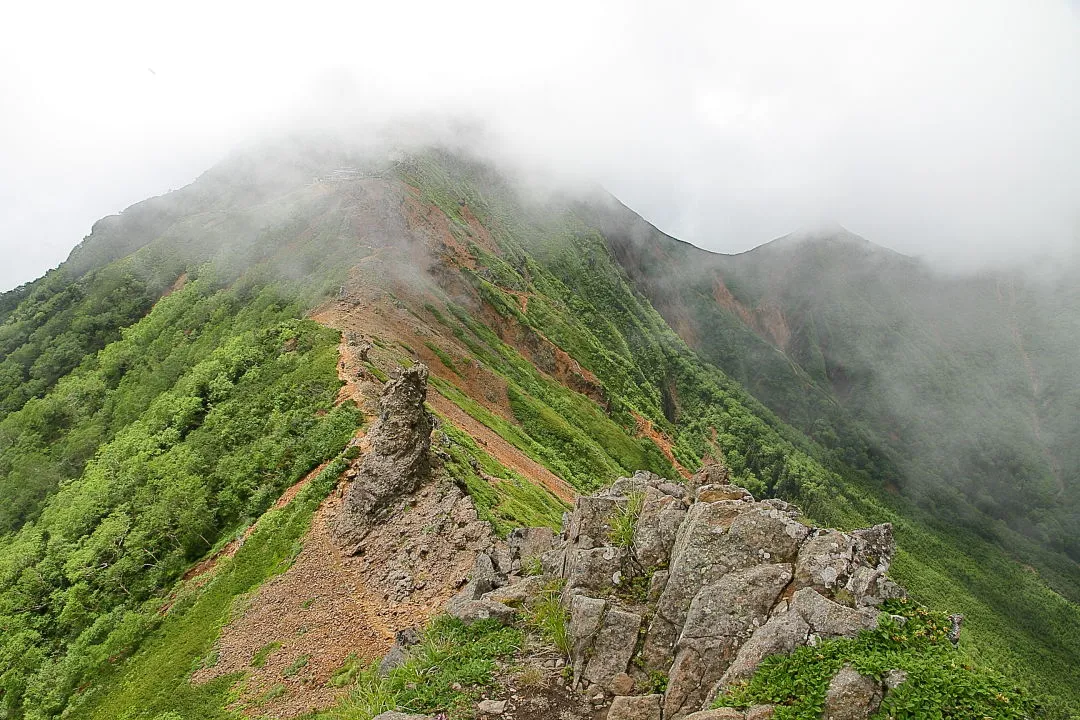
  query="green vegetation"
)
[
  {"x": 155, "y": 679},
  {"x": 263, "y": 654},
  {"x": 296, "y": 666},
  {"x": 141, "y": 433},
  {"x": 446, "y": 671},
  {"x": 623, "y": 521},
  {"x": 165, "y": 442},
  {"x": 585, "y": 295},
  {"x": 444, "y": 357},
  {"x": 501, "y": 496},
  {"x": 546, "y": 614},
  {"x": 940, "y": 683}
]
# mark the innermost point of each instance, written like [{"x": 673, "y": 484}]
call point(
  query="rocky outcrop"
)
[
  {"x": 398, "y": 460},
  {"x": 696, "y": 583},
  {"x": 708, "y": 583},
  {"x": 851, "y": 696}
]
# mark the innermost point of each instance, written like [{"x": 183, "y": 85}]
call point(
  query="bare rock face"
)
[
  {"x": 399, "y": 459},
  {"x": 723, "y": 581},
  {"x": 851, "y": 696},
  {"x": 635, "y": 707}
]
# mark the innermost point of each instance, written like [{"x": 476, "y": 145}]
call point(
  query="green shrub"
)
[
  {"x": 941, "y": 682},
  {"x": 447, "y": 670}
]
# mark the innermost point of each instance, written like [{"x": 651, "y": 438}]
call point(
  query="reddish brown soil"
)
[
  {"x": 645, "y": 428},
  {"x": 766, "y": 320},
  {"x": 494, "y": 445},
  {"x": 328, "y": 606},
  {"x": 382, "y": 319}
]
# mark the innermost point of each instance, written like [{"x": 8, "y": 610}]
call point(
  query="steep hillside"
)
[
  {"x": 181, "y": 419},
  {"x": 947, "y": 389}
]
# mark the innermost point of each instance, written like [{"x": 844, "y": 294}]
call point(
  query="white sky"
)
[{"x": 944, "y": 129}]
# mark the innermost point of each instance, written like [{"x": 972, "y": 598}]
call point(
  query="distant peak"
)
[{"x": 829, "y": 231}]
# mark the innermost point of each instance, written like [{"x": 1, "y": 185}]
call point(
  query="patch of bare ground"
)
[
  {"x": 328, "y": 605},
  {"x": 536, "y": 689},
  {"x": 645, "y": 428}
]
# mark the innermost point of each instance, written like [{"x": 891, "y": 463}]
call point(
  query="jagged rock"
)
[
  {"x": 639, "y": 482},
  {"x": 717, "y": 714},
  {"x": 399, "y": 652},
  {"x": 613, "y": 647},
  {"x": 638, "y": 707},
  {"x": 719, "y": 620},
  {"x": 483, "y": 579},
  {"x": 474, "y": 610},
  {"x": 486, "y": 575},
  {"x": 398, "y": 461},
  {"x": 894, "y": 679},
  {"x": 957, "y": 622},
  {"x": 792, "y": 623},
  {"x": 491, "y": 707},
  {"x": 622, "y": 684},
  {"x": 712, "y": 474},
  {"x": 590, "y": 522},
  {"x": 761, "y": 712},
  {"x": 553, "y": 563},
  {"x": 780, "y": 635},
  {"x": 828, "y": 619},
  {"x": 848, "y": 567},
  {"x": 530, "y": 543},
  {"x": 516, "y": 593},
  {"x": 656, "y": 528},
  {"x": 732, "y": 581},
  {"x": 593, "y": 571},
  {"x": 586, "y": 614},
  {"x": 716, "y": 493},
  {"x": 716, "y": 538},
  {"x": 851, "y": 696}
]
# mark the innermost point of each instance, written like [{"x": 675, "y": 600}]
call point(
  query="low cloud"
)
[{"x": 950, "y": 131}]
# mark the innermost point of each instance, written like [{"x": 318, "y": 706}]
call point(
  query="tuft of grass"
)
[
  {"x": 446, "y": 671},
  {"x": 444, "y": 357},
  {"x": 296, "y": 666},
  {"x": 623, "y": 523},
  {"x": 546, "y": 615},
  {"x": 532, "y": 566},
  {"x": 263, "y": 654}
]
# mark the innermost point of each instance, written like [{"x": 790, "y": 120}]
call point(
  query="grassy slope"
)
[{"x": 580, "y": 300}]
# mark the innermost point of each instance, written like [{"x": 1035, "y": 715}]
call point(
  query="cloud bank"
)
[{"x": 946, "y": 130}]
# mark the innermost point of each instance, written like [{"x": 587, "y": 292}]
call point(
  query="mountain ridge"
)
[{"x": 509, "y": 295}]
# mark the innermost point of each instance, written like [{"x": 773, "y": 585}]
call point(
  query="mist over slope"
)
[
  {"x": 569, "y": 344},
  {"x": 951, "y": 390}
]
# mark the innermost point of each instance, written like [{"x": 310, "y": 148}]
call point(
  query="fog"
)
[{"x": 945, "y": 130}]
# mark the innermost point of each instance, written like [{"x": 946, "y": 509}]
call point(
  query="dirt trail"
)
[
  {"x": 304, "y": 625},
  {"x": 377, "y": 319}
]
